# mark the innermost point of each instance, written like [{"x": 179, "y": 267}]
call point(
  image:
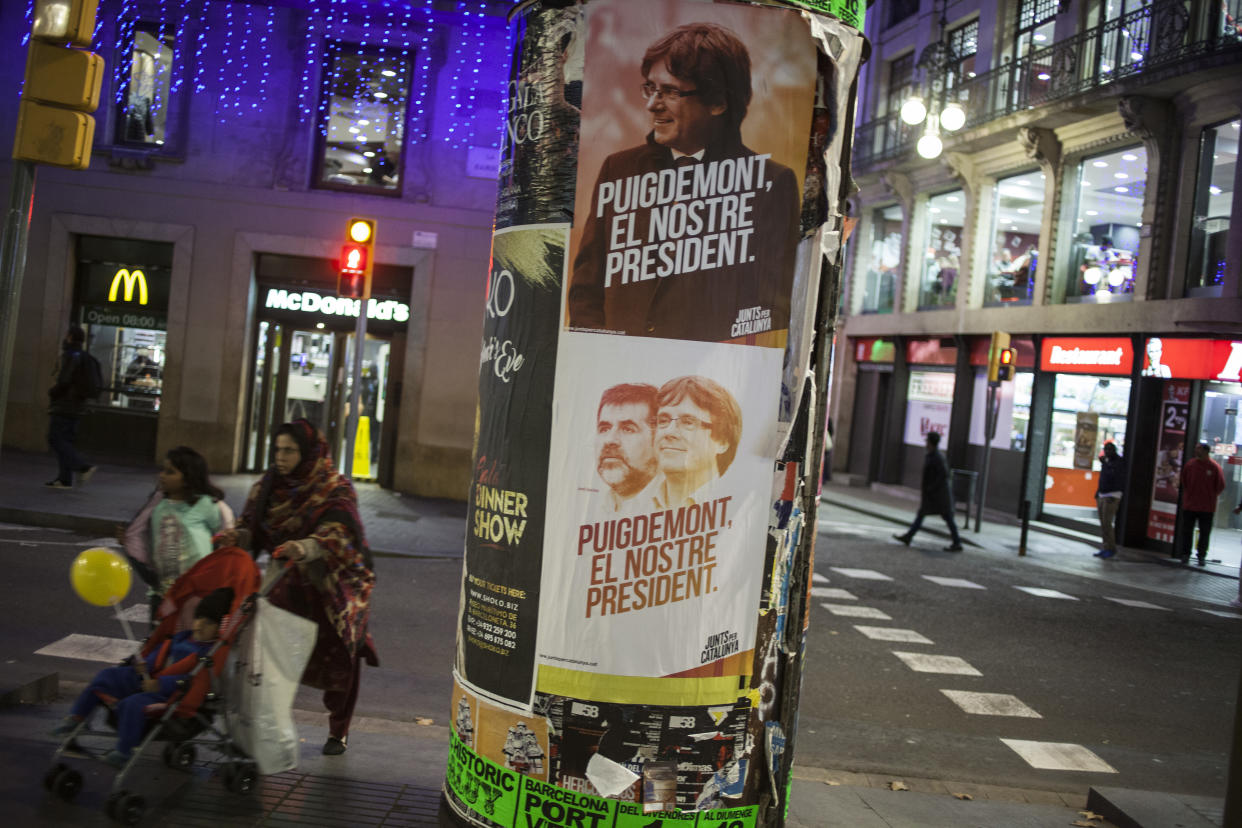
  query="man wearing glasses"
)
[
  {"x": 698, "y": 426},
  {"x": 705, "y": 253}
]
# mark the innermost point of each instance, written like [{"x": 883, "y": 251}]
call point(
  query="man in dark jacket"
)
[
  {"x": 66, "y": 403},
  {"x": 1108, "y": 491},
  {"x": 936, "y": 497}
]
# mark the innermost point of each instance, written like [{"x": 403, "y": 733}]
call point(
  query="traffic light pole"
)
[
  {"x": 989, "y": 431},
  {"x": 355, "y": 396},
  {"x": 12, "y": 266}
]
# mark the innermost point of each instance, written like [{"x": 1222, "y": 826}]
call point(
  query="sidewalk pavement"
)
[
  {"x": 393, "y": 771},
  {"x": 395, "y": 524}
]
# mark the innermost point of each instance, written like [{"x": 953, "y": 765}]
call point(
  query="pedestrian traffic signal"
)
[
  {"x": 1000, "y": 342},
  {"x": 354, "y": 274},
  {"x": 1008, "y": 362},
  {"x": 62, "y": 85},
  {"x": 352, "y": 278}
]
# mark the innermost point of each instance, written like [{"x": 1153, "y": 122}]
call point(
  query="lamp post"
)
[{"x": 928, "y": 106}]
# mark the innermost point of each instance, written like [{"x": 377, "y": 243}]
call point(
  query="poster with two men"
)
[{"x": 676, "y": 309}]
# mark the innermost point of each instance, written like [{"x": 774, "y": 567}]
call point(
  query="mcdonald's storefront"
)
[{"x": 121, "y": 301}]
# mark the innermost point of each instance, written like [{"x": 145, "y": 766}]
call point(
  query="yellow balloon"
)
[{"x": 100, "y": 577}]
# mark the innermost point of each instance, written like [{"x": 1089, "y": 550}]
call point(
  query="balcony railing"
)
[{"x": 1154, "y": 36}]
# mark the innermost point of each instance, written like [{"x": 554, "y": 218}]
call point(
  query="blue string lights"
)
[{"x": 233, "y": 55}]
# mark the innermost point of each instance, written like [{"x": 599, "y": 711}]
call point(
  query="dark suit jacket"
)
[
  {"x": 702, "y": 304},
  {"x": 936, "y": 495}
]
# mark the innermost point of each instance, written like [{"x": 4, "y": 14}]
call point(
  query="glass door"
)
[
  {"x": 373, "y": 403},
  {"x": 1219, "y": 429}
]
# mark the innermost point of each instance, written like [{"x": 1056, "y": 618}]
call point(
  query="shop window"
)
[
  {"x": 145, "y": 97},
  {"x": 363, "y": 117},
  {"x": 1218, "y": 158},
  {"x": 1030, "y": 79},
  {"x": 121, "y": 300},
  {"x": 942, "y": 250},
  {"x": 964, "y": 45},
  {"x": 1087, "y": 412},
  {"x": 929, "y": 405},
  {"x": 1104, "y": 254},
  {"x": 1013, "y": 412},
  {"x": 1016, "y": 214},
  {"x": 880, "y": 278}
]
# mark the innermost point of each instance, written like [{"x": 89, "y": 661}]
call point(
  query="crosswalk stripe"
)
[
  {"x": 990, "y": 704},
  {"x": 834, "y": 593},
  {"x": 924, "y": 663},
  {"x": 1130, "y": 602},
  {"x": 1040, "y": 592},
  {"x": 89, "y": 648},
  {"x": 136, "y": 612},
  {"x": 851, "y": 611},
  {"x": 861, "y": 574},
  {"x": 961, "y": 583},
  {"x": 1221, "y": 613},
  {"x": 893, "y": 634},
  {"x": 1058, "y": 756},
  {"x": 816, "y": 578}
]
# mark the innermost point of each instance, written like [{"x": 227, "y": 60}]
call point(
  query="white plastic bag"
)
[{"x": 265, "y": 666}]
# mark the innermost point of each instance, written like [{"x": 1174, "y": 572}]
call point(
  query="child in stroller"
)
[{"x": 130, "y": 688}]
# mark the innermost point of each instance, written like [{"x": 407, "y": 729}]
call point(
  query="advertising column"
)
[{"x": 647, "y": 333}]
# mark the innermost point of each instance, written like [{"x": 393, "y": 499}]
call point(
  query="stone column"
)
[{"x": 1151, "y": 120}]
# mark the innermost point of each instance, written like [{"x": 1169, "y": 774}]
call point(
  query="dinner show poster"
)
[
  {"x": 506, "y": 504},
  {"x": 688, "y": 201}
]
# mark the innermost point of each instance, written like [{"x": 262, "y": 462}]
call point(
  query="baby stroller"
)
[{"x": 195, "y": 716}]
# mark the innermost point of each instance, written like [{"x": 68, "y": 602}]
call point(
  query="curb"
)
[
  {"x": 35, "y": 687},
  {"x": 1043, "y": 529}
]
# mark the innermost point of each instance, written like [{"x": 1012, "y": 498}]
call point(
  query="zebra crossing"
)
[{"x": 975, "y": 701}]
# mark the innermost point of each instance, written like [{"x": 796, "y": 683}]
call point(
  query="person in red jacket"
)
[
  {"x": 129, "y": 688},
  {"x": 1202, "y": 482}
]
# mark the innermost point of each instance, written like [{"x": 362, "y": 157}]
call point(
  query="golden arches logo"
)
[{"x": 129, "y": 278}]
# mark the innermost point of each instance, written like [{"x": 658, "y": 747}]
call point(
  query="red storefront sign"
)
[
  {"x": 980, "y": 345},
  {"x": 874, "y": 349},
  {"x": 930, "y": 352},
  {"x": 1206, "y": 359},
  {"x": 1112, "y": 355}
]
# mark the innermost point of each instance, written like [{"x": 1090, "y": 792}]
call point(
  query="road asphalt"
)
[{"x": 393, "y": 772}]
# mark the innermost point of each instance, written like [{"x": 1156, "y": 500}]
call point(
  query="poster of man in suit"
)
[{"x": 688, "y": 201}]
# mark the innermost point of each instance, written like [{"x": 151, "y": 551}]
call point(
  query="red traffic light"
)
[
  {"x": 354, "y": 258},
  {"x": 352, "y": 276},
  {"x": 1008, "y": 364}
]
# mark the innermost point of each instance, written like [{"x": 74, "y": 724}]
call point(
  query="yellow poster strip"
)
[{"x": 670, "y": 692}]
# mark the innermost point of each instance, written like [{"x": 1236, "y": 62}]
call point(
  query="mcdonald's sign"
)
[{"x": 128, "y": 280}]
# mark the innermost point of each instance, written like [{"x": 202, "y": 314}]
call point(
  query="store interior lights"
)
[{"x": 928, "y": 104}]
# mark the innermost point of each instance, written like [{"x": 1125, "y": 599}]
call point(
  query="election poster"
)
[
  {"x": 660, "y": 468},
  {"x": 543, "y": 98},
  {"x": 1170, "y": 452},
  {"x": 506, "y": 502},
  {"x": 688, "y": 201}
]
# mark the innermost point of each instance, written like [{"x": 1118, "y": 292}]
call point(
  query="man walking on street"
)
[
  {"x": 1108, "y": 491},
  {"x": 936, "y": 497},
  {"x": 1202, "y": 482},
  {"x": 66, "y": 404}
]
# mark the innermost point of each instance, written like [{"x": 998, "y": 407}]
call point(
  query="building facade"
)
[
  {"x": 1085, "y": 207},
  {"x": 200, "y": 249}
]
